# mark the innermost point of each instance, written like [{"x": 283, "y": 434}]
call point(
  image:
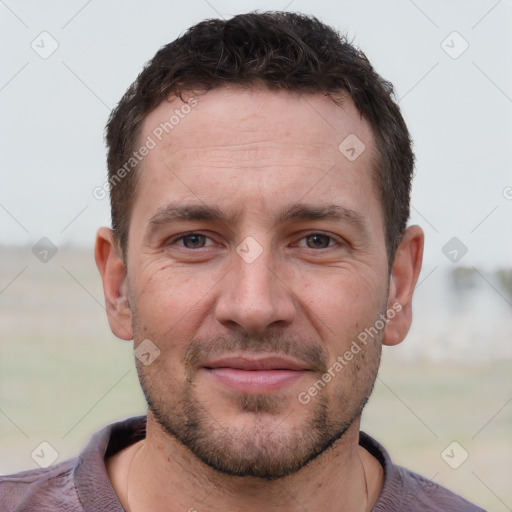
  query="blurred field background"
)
[{"x": 63, "y": 374}]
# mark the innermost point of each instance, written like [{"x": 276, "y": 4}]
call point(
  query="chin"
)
[{"x": 259, "y": 440}]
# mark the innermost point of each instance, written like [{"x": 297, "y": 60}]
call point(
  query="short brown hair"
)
[{"x": 278, "y": 51}]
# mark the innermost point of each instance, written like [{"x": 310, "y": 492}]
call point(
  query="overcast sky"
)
[{"x": 66, "y": 64}]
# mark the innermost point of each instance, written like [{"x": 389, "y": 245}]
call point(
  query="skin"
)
[{"x": 253, "y": 154}]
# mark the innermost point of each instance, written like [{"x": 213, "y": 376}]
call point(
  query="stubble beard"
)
[{"x": 262, "y": 448}]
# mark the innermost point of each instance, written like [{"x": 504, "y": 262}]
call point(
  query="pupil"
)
[
  {"x": 319, "y": 240},
  {"x": 193, "y": 241}
]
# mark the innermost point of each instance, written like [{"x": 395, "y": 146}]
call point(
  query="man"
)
[{"x": 259, "y": 176}]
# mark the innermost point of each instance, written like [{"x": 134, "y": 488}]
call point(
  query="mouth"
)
[{"x": 256, "y": 375}]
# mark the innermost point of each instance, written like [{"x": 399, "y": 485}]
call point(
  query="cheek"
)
[
  {"x": 343, "y": 307},
  {"x": 170, "y": 303},
  {"x": 357, "y": 348}
]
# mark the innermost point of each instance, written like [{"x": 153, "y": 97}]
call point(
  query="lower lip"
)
[{"x": 256, "y": 381}]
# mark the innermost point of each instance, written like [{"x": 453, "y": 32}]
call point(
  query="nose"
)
[{"x": 255, "y": 296}]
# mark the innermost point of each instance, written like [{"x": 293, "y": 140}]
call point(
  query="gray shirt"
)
[{"x": 82, "y": 484}]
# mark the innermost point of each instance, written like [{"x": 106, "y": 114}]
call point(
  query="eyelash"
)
[{"x": 332, "y": 240}]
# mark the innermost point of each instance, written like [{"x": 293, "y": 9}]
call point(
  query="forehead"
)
[
  {"x": 231, "y": 116},
  {"x": 259, "y": 145}
]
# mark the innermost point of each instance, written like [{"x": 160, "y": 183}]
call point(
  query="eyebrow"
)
[
  {"x": 303, "y": 211},
  {"x": 178, "y": 212},
  {"x": 297, "y": 212}
]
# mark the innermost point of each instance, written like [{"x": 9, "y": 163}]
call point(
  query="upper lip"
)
[{"x": 256, "y": 363}]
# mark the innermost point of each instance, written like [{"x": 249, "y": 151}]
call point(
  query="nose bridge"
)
[
  {"x": 255, "y": 280},
  {"x": 254, "y": 297}
]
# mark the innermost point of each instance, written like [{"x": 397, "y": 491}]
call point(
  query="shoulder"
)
[
  {"x": 405, "y": 490},
  {"x": 76, "y": 484},
  {"x": 40, "y": 489},
  {"x": 420, "y": 493}
]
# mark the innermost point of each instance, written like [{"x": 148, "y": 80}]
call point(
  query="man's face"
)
[{"x": 256, "y": 257}]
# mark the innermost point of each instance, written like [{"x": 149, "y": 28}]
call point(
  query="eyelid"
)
[
  {"x": 336, "y": 240},
  {"x": 176, "y": 238}
]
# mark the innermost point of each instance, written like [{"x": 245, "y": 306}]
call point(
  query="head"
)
[
  {"x": 259, "y": 255},
  {"x": 279, "y": 52}
]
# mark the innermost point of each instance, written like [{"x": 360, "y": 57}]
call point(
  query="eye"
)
[
  {"x": 318, "y": 241},
  {"x": 192, "y": 241}
]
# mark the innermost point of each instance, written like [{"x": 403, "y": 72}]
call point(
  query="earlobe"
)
[
  {"x": 113, "y": 274},
  {"x": 404, "y": 276}
]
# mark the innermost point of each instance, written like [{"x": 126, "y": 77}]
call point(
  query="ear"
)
[
  {"x": 113, "y": 274},
  {"x": 404, "y": 276}
]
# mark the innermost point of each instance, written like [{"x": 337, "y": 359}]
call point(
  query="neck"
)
[{"x": 160, "y": 474}]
